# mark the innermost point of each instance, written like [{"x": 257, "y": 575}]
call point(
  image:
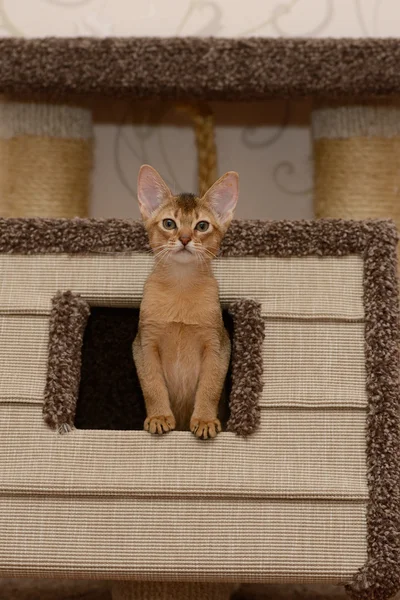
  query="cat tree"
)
[{"x": 305, "y": 485}]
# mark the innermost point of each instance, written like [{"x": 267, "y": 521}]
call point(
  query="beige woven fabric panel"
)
[
  {"x": 321, "y": 363},
  {"x": 238, "y": 540},
  {"x": 296, "y": 287},
  {"x": 314, "y": 363},
  {"x": 306, "y": 287},
  {"x": 296, "y": 453},
  {"x": 286, "y": 504},
  {"x": 23, "y": 352}
]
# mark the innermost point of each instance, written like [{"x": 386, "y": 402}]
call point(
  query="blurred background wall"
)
[{"x": 269, "y": 144}]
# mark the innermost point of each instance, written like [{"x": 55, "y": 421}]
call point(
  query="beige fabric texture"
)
[
  {"x": 294, "y": 454},
  {"x": 286, "y": 504},
  {"x": 307, "y": 287},
  {"x": 314, "y": 363},
  {"x": 302, "y": 354},
  {"x": 24, "y": 346},
  {"x": 207, "y": 540}
]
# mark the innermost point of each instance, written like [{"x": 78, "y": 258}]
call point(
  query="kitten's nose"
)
[{"x": 185, "y": 239}]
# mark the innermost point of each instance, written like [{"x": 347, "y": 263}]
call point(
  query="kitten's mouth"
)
[{"x": 183, "y": 254}]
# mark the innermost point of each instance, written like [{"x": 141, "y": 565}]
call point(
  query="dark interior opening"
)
[{"x": 110, "y": 396}]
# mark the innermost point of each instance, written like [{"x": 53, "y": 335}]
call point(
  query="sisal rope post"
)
[
  {"x": 46, "y": 156},
  {"x": 204, "y": 130},
  {"x": 357, "y": 161},
  {"x": 150, "y": 590}
]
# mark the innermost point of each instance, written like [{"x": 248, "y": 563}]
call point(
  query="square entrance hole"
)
[{"x": 110, "y": 396}]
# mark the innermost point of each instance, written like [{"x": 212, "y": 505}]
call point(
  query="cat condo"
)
[{"x": 303, "y": 483}]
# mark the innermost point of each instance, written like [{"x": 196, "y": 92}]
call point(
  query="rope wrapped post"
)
[
  {"x": 46, "y": 156},
  {"x": 150, "y": 590},
  {"x": 357, "y": 161},
  {"x": 204, "y": 130}
]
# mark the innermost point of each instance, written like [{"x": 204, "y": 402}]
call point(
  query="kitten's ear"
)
[
  {"x": 151, "y": 189},
  {"x": 223, "y": 196}
]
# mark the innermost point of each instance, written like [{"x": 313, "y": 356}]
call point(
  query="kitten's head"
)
[{"x": 185, "y": 228}]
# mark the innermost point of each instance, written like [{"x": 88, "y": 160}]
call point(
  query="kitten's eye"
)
[
  {"x": 202, "y": 226},
  {"x": 169, "y": 224}
]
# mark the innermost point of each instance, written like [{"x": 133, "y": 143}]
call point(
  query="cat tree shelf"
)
[
  {"x": 311, "y": 493},
  {"x": 290, "y": 501},
  {"x": 200, "y": 68}
]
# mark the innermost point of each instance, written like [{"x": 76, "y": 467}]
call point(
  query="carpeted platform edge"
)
[{"x": 241, "y": 69}]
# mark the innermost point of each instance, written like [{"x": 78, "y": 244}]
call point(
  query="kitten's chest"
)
[
  {"x": 199, "y": 309},
  {"x": 180, "y": 350}
]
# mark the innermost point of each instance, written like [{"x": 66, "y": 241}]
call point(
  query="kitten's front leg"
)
[
  {"x": 204, "y": 422},
  {"x": 148, "y": 365}
]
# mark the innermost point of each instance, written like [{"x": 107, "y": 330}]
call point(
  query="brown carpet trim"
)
[
  {"x": 203, "y": 68},
  {"x": 67, "y": 325},
  {"x": 375, "y": 242},
  {"x": 73, "y": 236},
  {"x": 379, "y": 579},
  {"x": 325, "y": 237},
  {"x": 247, "y": 366}
]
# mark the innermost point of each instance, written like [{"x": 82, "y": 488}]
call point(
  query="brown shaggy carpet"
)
[{"x": 203, "y": 68}]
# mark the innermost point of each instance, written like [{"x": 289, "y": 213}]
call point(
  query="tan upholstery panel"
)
[
  {"x": 314, "y": 363},
  {"x": 196, "y": 539},
  {"x": 23, "y": 353},
  {"x": 306, "y": 362},
  {"x": 296, "y": 453},
  {"x": 305, "y": 287},
  {"x": 32, "y": 281},
  {"x": 310, "y": 286}
]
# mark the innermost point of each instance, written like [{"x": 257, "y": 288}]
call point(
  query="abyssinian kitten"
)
[{"x": 182, "y": 349}]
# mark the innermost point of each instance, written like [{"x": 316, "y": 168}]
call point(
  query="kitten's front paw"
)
[
  {"x": 205, "y": 429},
  {"x": 159, "y": 424}
]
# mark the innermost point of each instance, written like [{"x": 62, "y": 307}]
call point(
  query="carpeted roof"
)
[{"x": 203, "y": 68}]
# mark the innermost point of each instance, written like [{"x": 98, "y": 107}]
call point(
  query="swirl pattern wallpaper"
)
[{"x": 268, "y": 143}]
